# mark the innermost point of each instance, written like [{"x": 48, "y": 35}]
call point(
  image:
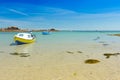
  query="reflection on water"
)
[
  {"x": 26, "y": 48},
  {"x": 13, "y": 44}
]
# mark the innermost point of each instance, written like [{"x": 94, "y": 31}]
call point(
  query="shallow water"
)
[
  {"x": 62, "y": 56},
  {"x": 60, "y": 41}
]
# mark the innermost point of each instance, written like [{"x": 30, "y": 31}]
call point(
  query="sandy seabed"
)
[
  {"x": 65, "y": 66},
  {"x": 65, "y": 72},
  {"x": 62, "y": 63}
]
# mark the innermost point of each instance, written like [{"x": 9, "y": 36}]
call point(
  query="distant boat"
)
[
  {"x": 24, "y": 38},
  {"x": 45, "y": 32}
]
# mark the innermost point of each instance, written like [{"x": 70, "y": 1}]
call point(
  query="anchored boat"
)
[
  {"x": 45, "y": 33},
  {"x": 24, "y": 38}
]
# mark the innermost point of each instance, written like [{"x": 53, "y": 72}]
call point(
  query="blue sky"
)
[{"x": 61, "y": 14}]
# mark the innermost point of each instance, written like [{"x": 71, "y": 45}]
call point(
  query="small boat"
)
[
  {"x": 24, "y": 38},
  {"x": 45, "y": 33}
]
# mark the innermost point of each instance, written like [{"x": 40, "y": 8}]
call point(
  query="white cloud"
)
[
  {"x": 59, "y": 11},
  {"x": 18, "y": 12},
  {"x": 44, "y": 10},
  {"x": 86, "y": 16},
  {"x": 13, "y": 22}
]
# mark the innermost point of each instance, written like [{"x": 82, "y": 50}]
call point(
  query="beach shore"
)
[
  {"x": 62, "y": 65},
  {"x": 51, "y": 59},
  {"x": 61, "y": 72}
]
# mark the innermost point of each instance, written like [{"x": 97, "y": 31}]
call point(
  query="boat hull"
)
[
  {"x": 23, "y": 41},
  {"x": 45, "y": 33}
]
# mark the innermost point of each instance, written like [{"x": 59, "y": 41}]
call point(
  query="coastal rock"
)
[{"x": 12, "y": 29}]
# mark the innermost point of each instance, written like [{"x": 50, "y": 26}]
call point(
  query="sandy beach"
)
[
  {"x": 29, "y": 69},
  {"x": 64, "y": 66},
  {"x": 47, "y": 61}
]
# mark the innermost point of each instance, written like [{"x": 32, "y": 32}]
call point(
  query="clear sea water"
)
[
  {"x": 60, "y": 40},
  {"x": 61, "y": 56}
]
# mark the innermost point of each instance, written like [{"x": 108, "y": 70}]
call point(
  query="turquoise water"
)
[
  {"x": 60, "y": 40},
  {"x": 59, "y": 54}
]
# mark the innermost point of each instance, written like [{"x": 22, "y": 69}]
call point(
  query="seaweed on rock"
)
[
  {"x": 108, "y": 55},
  {"x": 91, "y": 61}
]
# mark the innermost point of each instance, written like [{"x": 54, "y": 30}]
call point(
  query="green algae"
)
[
  {"x": 108, "y": 55},
  {"x": 91, "y": 61}
]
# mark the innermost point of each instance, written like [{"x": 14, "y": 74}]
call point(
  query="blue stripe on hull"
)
[{"x": 19, "y": 43}]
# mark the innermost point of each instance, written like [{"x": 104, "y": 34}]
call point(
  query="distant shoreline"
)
[
  {"x": 16, "y": 29},
  {"x": 59, "y": 31}
]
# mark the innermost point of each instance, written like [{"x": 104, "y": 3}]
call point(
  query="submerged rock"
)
[
  {"x": 24, "y": 55},
  {"x": 91, "y": 61},
  {"x": 20, "y": 54},
  {"x": 79, "y": 52},
  {"x": 114, "y": 35},
  {"x": 101, "y": 42},
  {"x": 97, "y": 38},
  {"x": 15, "y": 53},
  {"x": 108, "y": 55},
  {"x": 105, "y": 44},
  {"x": 70, "y": 52}
]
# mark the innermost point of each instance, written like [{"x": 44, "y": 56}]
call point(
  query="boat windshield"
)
[
  {"x": 21, "y": 35},
  {"x": 29, "y": 36},
  {"x": 25, "y": 35}
]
